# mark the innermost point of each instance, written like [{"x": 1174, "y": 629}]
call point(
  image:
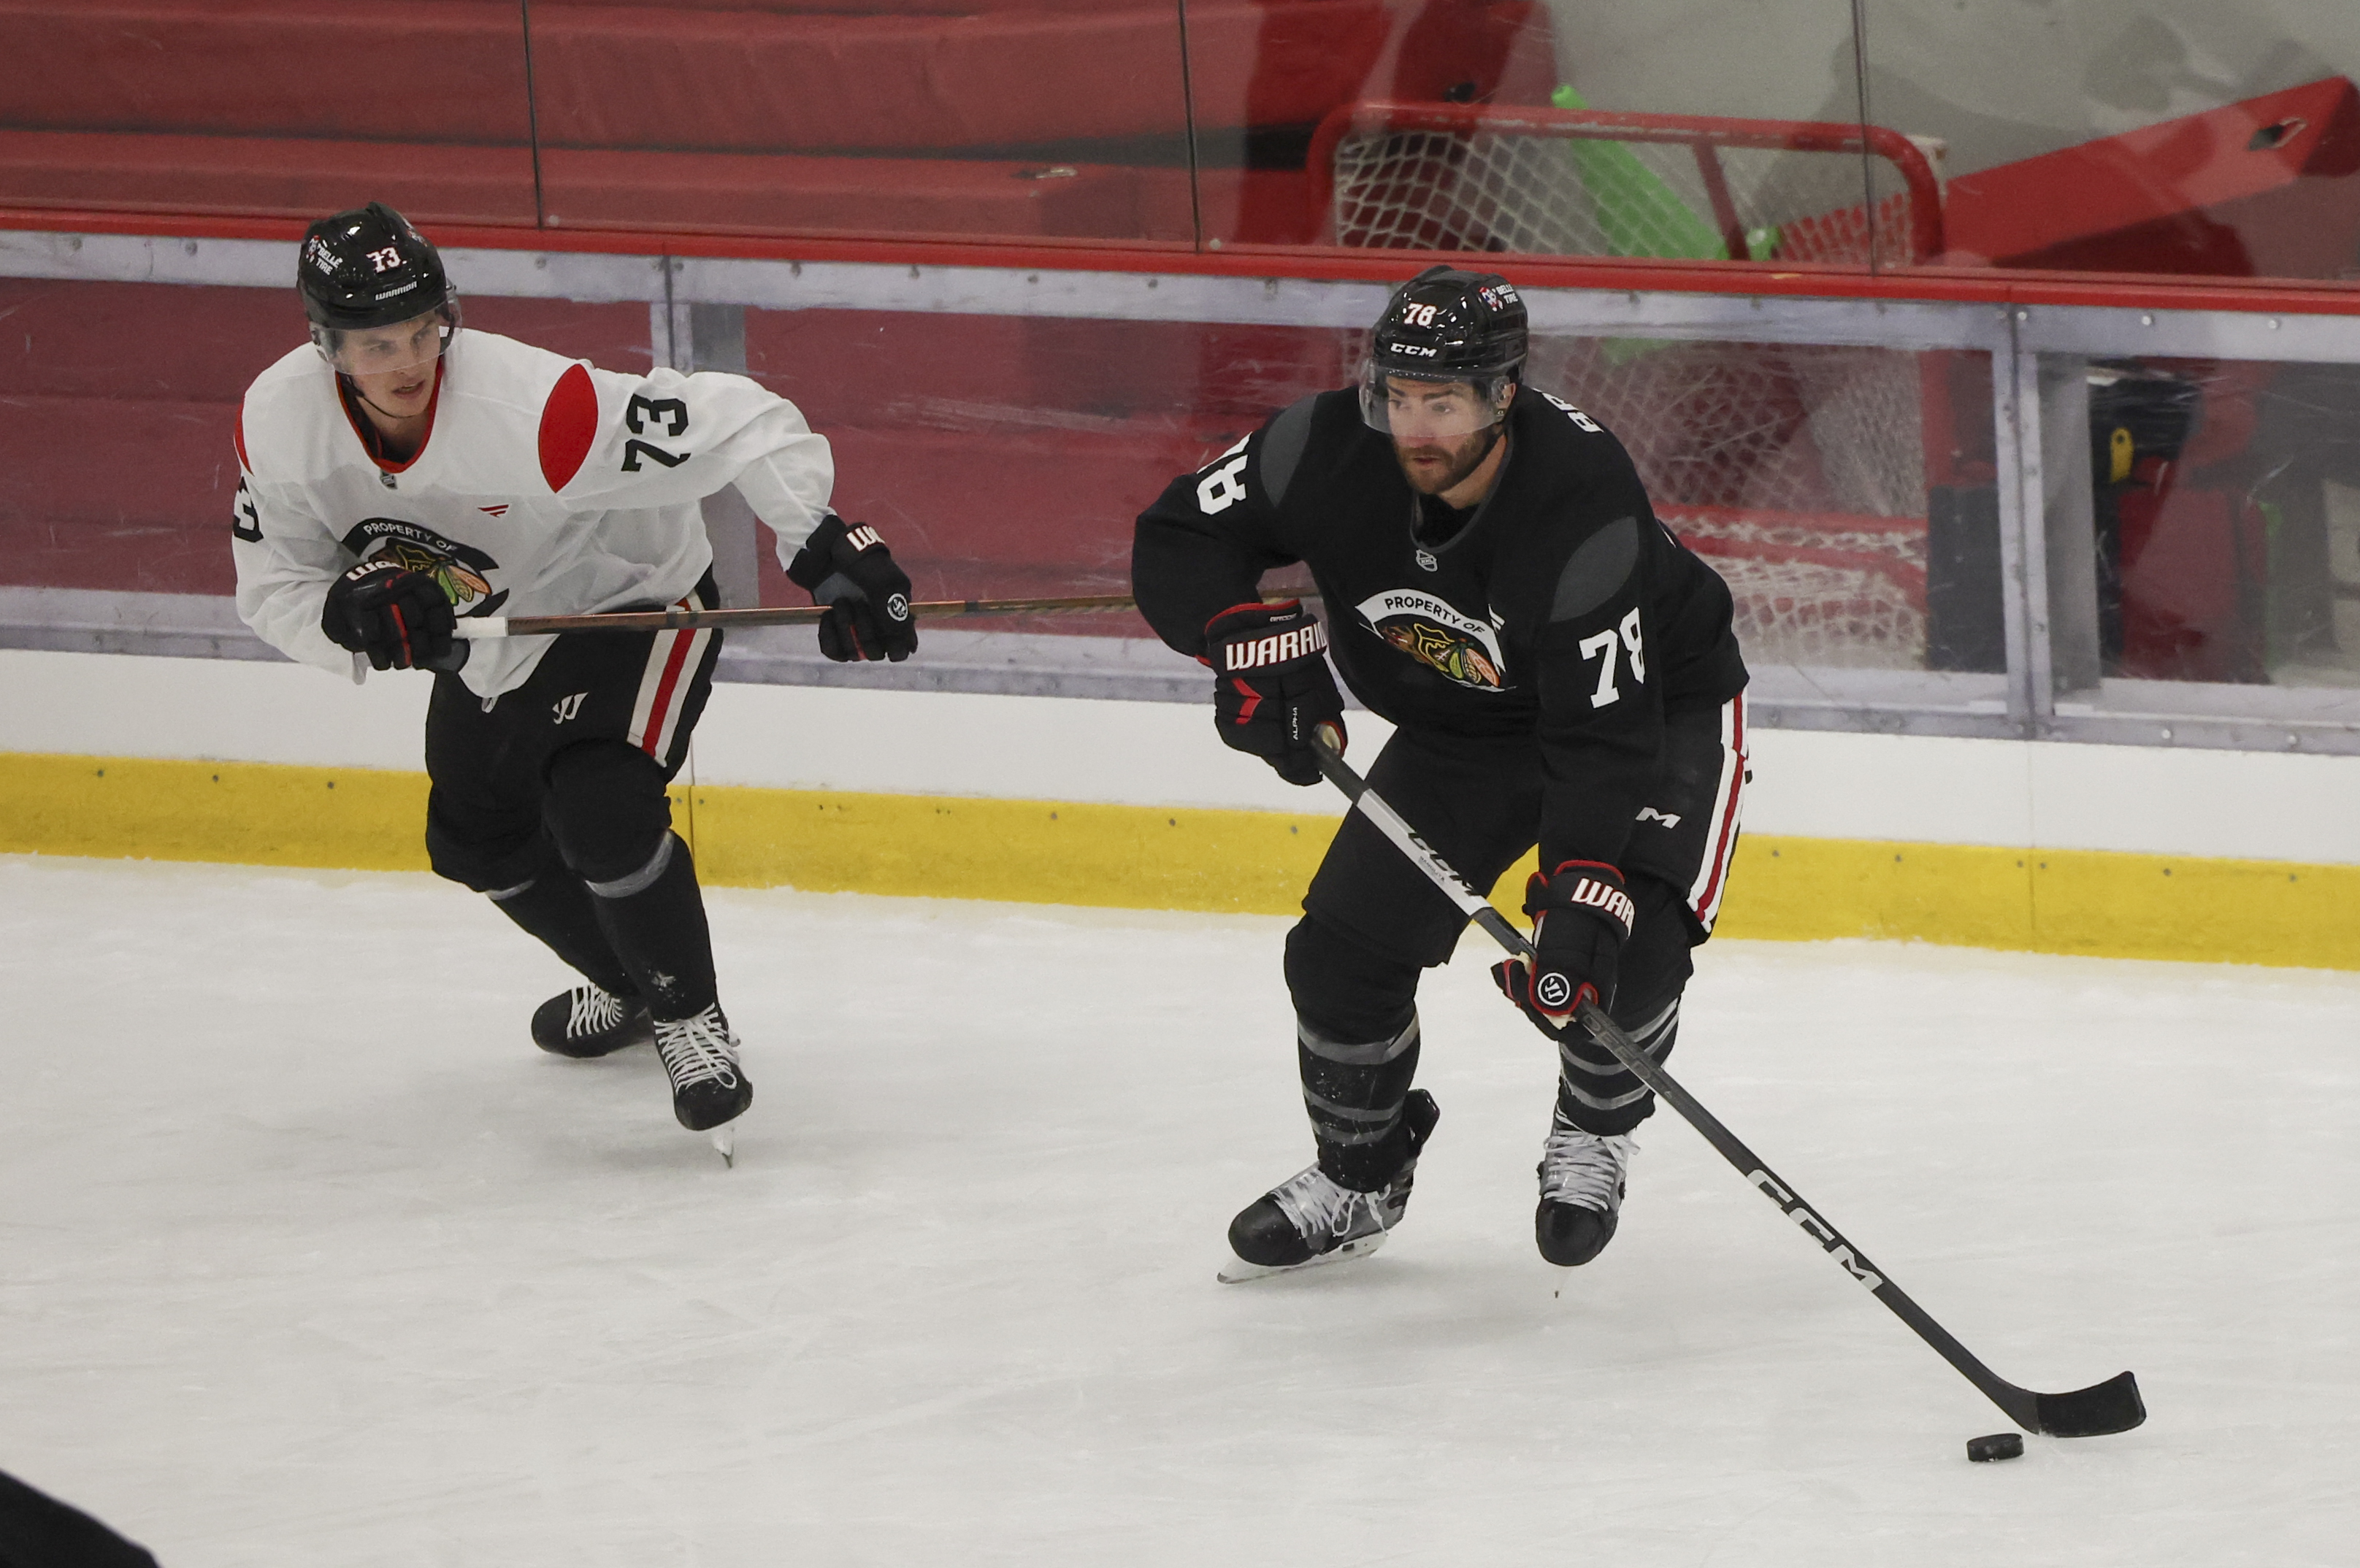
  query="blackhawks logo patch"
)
[
  {"x": 460, "y": 570},
  {"x": 1440, "y": 636}
]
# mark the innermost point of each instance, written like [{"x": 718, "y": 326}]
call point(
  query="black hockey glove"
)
[
  {"x": 847, "y": 568},
  {"x": 1580, "y": 916},
  {"x": 401, "y": 618},
  {"x": 1270, "y": 685}
]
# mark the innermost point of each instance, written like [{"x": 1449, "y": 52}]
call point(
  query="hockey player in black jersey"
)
[{"x": 1560, "y": 669}]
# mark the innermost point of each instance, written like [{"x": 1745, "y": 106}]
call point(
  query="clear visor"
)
[
  {"x": 1408, "y": 409},
  {"x": 385, "y": 350}
]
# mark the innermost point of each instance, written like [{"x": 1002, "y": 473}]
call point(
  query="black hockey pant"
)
[
  {"x": 1373, "y": 922},
  {"x": 551, "y": 798}
]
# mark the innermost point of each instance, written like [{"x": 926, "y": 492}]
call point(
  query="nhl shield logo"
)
[{"x": 1426, "y": 562}]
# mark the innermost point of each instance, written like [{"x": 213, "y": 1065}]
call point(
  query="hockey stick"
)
[
  {"x": 484, "y": 626},
  {"x": 2108, "y": 1406}
]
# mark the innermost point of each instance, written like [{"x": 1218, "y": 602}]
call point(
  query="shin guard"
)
[
  {"x": 654, "y": 918},
  {"x": 1598, "y": 1093},
  {"x": 1355, "y": 1092},
  {"x": 557, "y": 909}
]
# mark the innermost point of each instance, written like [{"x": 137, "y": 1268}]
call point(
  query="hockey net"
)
[
  {"x": 1588, "y": 182},
  {"x": 1815, "y": 588},
  {"x": 1798, "y": 469}
]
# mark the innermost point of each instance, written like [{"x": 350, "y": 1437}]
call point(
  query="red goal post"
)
[{"x": 1598, "y": 182}]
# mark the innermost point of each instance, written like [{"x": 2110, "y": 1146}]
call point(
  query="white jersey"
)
[{"x": 544, "y": 486}]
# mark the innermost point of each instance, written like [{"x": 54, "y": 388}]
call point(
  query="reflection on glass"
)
[
  {"x": 190, "y": 106},
  {"x": 121, "y": 471},
  {"x": 1007, "y": 456},
  {"x": 1846, "y": 494},
  {"x": 1568, "y": 180},
  {"x": 2135, "y": 135},
  {"x": 1807, "y": 475},
  {"x": 2227, "y": 520},
  {"x": 1706, "y": 132},
  {"x": 1264, "y": 77},
  {"x": 1043, "y": 119}
]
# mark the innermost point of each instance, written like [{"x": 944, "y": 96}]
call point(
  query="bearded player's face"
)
[
  {"x": 1442, "y": 431},
  {"x": 1433, "y": 463}
]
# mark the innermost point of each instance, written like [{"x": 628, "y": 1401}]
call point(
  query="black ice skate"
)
[
  {"x": 590, "y": 1020},
  {"x": 1310, "y": 1219},
  {"x": 709, "y": 1089},
  {"x": 1582, "y": 1180}
]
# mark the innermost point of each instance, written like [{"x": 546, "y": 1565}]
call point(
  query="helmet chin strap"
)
[
  {"x": 353, "y": 383},
  {"x": 1492, "y": 434}
]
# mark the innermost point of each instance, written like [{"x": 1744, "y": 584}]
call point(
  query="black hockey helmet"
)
[
  {"x": 368, "y": 269},
  {"x": 1447, "y": 324}
]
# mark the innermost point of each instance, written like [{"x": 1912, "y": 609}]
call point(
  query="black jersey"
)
[{"x": 1560, "y": 609}]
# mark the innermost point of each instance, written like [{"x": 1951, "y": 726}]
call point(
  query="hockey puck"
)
[{"x": 1999, "y": 1446}]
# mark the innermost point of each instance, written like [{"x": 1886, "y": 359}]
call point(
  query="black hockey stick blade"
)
[
  {"x": 2109, "y": 1406},
  {"x": 2095, "y": 1411}
]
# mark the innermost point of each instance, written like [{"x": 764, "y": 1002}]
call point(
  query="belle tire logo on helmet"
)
[
  {"x": 897, "y": 606},
  {"x": 1553, "y": 990}
]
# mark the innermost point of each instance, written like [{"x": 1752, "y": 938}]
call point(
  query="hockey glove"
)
[
  {"x": 1580, "y": 916},
  {"x": 1270, "y": 685},
  {"x": 401, "y": 618},
  {"x": 847, "y": 568}
]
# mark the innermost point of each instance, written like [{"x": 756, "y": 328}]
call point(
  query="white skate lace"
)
[
  {"x": 698, "y": 1050},
  {"x": 592, "y": 1010},
  {"x": 1316, "y": 1205},
  {"x": 1583, "y": 1168}
]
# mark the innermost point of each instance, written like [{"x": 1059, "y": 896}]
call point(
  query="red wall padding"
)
[
  {"x": 735, "y": 115},
  {"x": 424, "y": 70}
]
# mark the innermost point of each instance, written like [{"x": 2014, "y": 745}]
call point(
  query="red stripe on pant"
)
[
  {"x": 1725, "y": 830},
  {"x": 649, "y": 738}
]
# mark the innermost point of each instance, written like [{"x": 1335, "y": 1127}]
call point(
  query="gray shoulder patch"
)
[
  {"x": 1597, "y": 570},
  {"x": 1282, "y": 449}
]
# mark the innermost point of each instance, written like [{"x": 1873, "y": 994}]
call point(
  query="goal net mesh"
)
[
  {"x": 1549, "y": 195},
  {"x": 1798, "y": 471}
]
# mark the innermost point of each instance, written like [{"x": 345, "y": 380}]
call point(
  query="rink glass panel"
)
[
  {"x": 1057, "y": 120},
  {"x": 1913, "y": 536},
  {"x": 1845, "y": 494},
  {"x": 2214, "y": 137},
  {"x": 2173, "y": 137},
  {"x": 1009, "y": 455},
  {"x": 267, "y": 107},
  {"x": 1005, "y": 456},
  {"x": 123, "y": 396},
  {"x": 1294, "y": 143},
  {"x": 2223, "y": 523}
]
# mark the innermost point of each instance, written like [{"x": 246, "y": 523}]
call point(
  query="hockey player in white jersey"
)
[{"x": 399, "y": 473}]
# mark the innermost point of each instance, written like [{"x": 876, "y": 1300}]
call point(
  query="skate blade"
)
[
  {"x": 725, "y": 1143},
  {"x": 1237, "y": 1271}
]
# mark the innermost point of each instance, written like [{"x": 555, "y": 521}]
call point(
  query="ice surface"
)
[{"x": 307, "y": 1258}]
